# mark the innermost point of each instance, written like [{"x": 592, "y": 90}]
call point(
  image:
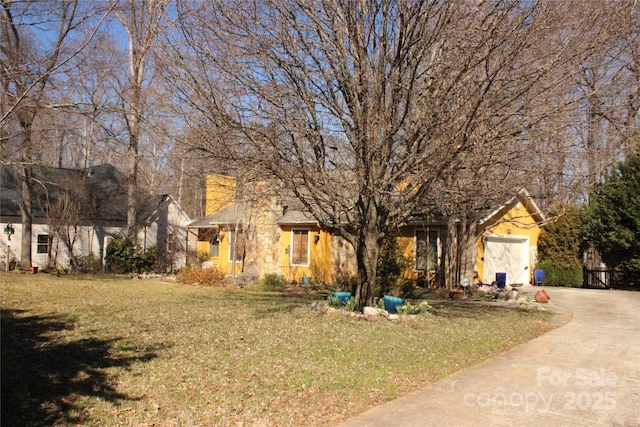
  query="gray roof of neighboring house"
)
[
  {"x": 230, "y": 215},
  {"x": 100, "y": 191}
]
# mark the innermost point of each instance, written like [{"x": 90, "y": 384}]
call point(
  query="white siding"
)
[{"x": 90, "y": 239}]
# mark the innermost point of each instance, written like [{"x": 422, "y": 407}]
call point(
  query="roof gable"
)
[{"x": 523, "y": 197}]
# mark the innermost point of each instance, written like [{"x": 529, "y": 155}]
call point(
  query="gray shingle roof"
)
[
  {"x": 101, "y": 192},
  {"x": 231, "y": 215},
  {"x": 294, "y": 217}
]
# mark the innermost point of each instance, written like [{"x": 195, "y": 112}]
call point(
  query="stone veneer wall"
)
[
  {"x": 343, "y": 262},
  {"x": 263, "y": 236}
]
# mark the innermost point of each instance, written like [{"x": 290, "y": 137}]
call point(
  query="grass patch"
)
[{"x": 104, "y": 351}]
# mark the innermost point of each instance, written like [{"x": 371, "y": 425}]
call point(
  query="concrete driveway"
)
[{"x": 584, "y": 373}]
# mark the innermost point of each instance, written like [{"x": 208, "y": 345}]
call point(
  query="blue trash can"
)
[
  {"x": 391, "y": 304},
  {"x": 538, "y": 277},
  {"x": 501, "y": 279}
]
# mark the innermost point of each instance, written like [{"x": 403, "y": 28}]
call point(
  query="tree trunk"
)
[
  {"x": 27, "y": 217},
  {"x": 132, "y": 189},
  {"x": 452, "y": 258},
  {"x": 469, "y": 231},
  {"x": 367, "y": 251}
]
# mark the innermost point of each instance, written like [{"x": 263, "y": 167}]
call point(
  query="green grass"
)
[{"x": 105, "y": 351}]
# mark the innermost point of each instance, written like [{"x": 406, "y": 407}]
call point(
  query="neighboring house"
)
[
  {"x": 262, "y": 236},
  {"x": 77, "y": 212},
  {"x": 166, "y": 227}
]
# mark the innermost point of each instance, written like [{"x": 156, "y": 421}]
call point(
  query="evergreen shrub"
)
[{"x": 555, "y": 275}]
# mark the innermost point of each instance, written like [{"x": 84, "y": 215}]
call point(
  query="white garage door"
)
[{"x": 506, "y": 254}]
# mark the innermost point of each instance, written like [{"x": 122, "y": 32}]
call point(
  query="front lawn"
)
[{"x": 106, "y": 351}]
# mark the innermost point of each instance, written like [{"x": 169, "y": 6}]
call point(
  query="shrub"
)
[
  {"x": 351, "y": 304},
  {"x": 613, "y": 216},
  {"x": 86, "y": 264},
  {"x": 560, "y": 276},
  {"x": 124, "y": 256},
  {"x": 203, "y": 276},
  {"x": 334, "y": 302},
  {"x": 346, "y": 283},
  {"x": 560, "y": 241},
  {"x": 273, "y": 282},
  {"x": 409, "y": 308},
  {"x": 378, "y": 302},
  {"x": 203, "y": 256},
  {"x": 391, "y": 264}
]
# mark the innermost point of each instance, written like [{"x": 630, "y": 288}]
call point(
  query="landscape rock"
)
[{"x": 374, "y": 311}]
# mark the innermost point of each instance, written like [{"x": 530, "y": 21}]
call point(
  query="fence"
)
[{"x": 607, "y": 279}]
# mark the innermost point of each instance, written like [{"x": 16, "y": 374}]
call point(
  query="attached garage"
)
[
  {"x": 506, "y": 254},
  {"x": 508, "y": 241}
]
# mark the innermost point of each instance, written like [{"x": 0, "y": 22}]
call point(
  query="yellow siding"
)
[
  {"x": 516, "y": 221},
  {"x": 223, "y": 259},
  {"x": 319, "y": 268},
  {"x": 407, "y": 243},
  {"x": 221, "y": 193}
]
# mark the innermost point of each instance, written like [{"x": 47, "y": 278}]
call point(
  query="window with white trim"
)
[
  {"x": 300, "y": 247},
  {"x": 426, "y": 250}
]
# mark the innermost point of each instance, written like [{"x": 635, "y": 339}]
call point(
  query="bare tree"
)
[
  {"x": 143, "y": 21},
  {"x": 64, "y": 216},
  {"x": 29, "y": 63},
  {"x": 364, "y": 111}
]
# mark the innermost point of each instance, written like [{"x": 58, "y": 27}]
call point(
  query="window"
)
[
  {"x": 426, "y": 249},
  {"x": 170, "y": 242},
  {"x": 214, "y": 245},
  {"x": 43, "y": 244},
  {"x": 236, "y": 248},
  {"x": 300, "y": 247}
]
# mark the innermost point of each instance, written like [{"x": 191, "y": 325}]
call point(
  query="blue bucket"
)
[
  {"x": 342, "y": 296},
  {"x": 391, "y": 304},
  {"x": 501, "y": 279}
]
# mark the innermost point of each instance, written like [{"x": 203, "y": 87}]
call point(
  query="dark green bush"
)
[
  {"x": 391, "y": 264},
  {"x": 124, "y": 256},
  {"x": 560, "y": 276}
]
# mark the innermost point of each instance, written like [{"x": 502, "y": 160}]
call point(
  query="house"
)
[
  {"x": 259, "y": 235},
  {"x": 505, "y": 241},
  {"x": 76, "y": 212},
  {"x": 262, "y": 236},
  {"x": 424, "y": 242},
  {"x": 166, "y": 227}
]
